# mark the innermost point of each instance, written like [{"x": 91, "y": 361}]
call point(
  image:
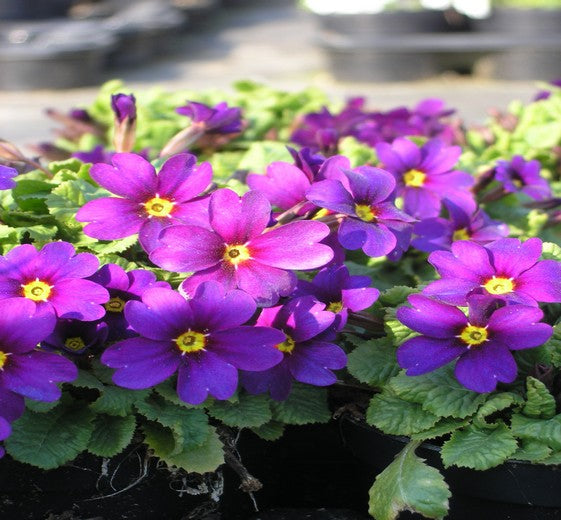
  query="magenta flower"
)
[
  {"x": 481, "y": 341},
  {"x": 519, "y": 175},
  {"x": 6, "y": 177},
  {"x": 439, "y": 233},
  {"x": 24, "y": 371},
  {"x": 424, "y": 175},
  {"x": 240, "y": 251},
  {"x": 75, "y": 337},
  {"x": 308, "y": 354},
  {"x": 507, "y": 269},
  {"x": 53, "y": 278},
  {"x": 202, "y": 339},
  {"x": 123, "y": 286},
  {"x": 371, "y": 222},
  {"x": 147, "y": 202},
  {"x": 340, "y": 292},
  {"x": 124, "y": 107},
  {"x": 219, "y": 119}
]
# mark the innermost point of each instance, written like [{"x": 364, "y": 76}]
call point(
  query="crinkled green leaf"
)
[
  {"x": 111, "y": 434},
  {"x": 249, "y": 411},
  {"x": 396, "y": 330},
  {"x": 50, "y": 439},
  {"x": 86, "y": 379},
  {"x": 439, "y": 392},
  {"x": 270, "y": 431},
  {"x": 554, "y": 459},
  {"x": 479, "y": 449},
  {"x": 40, "y": 406},
  {"x": 189, "y": 425},
  {"x": 358, "y": 153},
  {"x": 408, "y": 484},
  {"x": 206, "y": 457},
  {"x": 442, "y": 427},
  {"x": 532, "y": 451},
  {"x": 262, "y": 153},
  {"x": 543, "y": 430},
  {"x": 101, "y": 247},
  {"x": 551, "y": 251},
  {"x": 553, "y": 347},
  {"x": 396, "y": 295},
  {"x": 305, "y": 405},
  {"x": 495, "y": 403},
  {"x": 372, "y": 361},
  {"x": 30, "y": 194},
  {"x": 395, "y": 416},
  {"x": 115, "y": 400},
  {"x": 539, "y": 401},
  {"x": 69, "y": 196}
]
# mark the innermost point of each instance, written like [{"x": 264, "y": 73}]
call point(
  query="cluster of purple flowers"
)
[{"x": 501, "y": 284}]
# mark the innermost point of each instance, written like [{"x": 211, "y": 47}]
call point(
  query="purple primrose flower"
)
[
  {"x": 439, "y": 233},
  {"x": 6, "y": 177},
  {"x": 147, "y": 202},
  {"x": 123, "y": 286},
  {"x": 424, "y": 175},
  {"x": 240, "y": 251},
  {"x": 308, "y": 354},
  {"x": 481, "y": 341},
  {"x": 124, "y": 107},
  {"x": 519, "y": 175},
  {"x": 340, "y": 292},
  {"x": 202, "y": 339},
  {"x": 219, "y": 119},
  {"x": 506, "y": 269},
  {"x": 372, "y": 222},
  {"x": 76, "y": 336},
  {"x": 53, "y": 278},
  {"x": 24, "y": 371}
]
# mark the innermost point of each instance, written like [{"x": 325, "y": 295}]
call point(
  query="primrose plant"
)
[{"x": 185, "y": 270}]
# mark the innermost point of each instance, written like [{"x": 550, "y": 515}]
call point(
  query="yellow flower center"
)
[
  {"x": 37, "y": 290},
  {"x": 499, "y": 285},
  {"x": 287, "y": 346},
  {"x": 190, "y": 341},
  {"x": 115, "y": 304},
  {"x": 460, "y": 234},
  {"x": 236, "y": 254},
  {"x": 414, "y": 178},
  {"x": 365, "y": 212},
  {"x": 517, "y": 182},
  {"x": 74, "y": 344},
  {"x": 158, "y": 207},
  {"x": 3, "y": 359},
  {"x": 335, "y": 307},
  {"x": 473, "y": 335}
]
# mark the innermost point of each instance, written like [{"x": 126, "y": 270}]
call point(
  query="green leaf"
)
[
  {"x": 86, "y": 379},
  {"x": 114, "y": 246},
  {"x": 442, "y": 427},
  {"x": 396, "y": 295},
  {"x": 40, "y": 406},
  {"x": 543, "y": 430},
  {"x": 200, "y": 459},
  {"x": 48, "y": 440},
  {"x": 554, "y": 459},
  {"x": 68, "y": 197},
  {"x": 305, "y": 405},
  {"x": 553, "y": 346},
  {"x": 111, "y": 434},
  {"x": 115, "y": 400},
  {"x": 189, "y": 425},
  {"x": 270, "y": 431},
  {"x": 479, "y": 449},
  {"x": 373, "y": 361},
  {"x": 495, "y": 403},
  {"x": 539, "y": 402},
  {"x": 439, "y": 392},
  {"x": 248, "y": 411},
  {"x": 395, "y": 416},
  {"x": 551, "y": 251},
  {"x": 408, "y": 484},
  {"x": 395, "y": 330},
  {"x": 358, "y": 153},
  {"x": 262, "y": 153},
  {"x": 532, "y": 451},
  {"x": 30, "y": 194}
]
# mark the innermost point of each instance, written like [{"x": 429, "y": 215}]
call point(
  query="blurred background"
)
[{"x": 475, "y": 54}]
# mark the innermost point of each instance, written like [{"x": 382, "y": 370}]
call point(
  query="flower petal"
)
[
  {"x": 542, "y": 282},
  {"x": 423, "y": 354},
  {"x": 111, "y": 218},
  {"x": 517, "y": 327},
  {"x": 512, "y": 257},
  {"x": 180, "y": 180}
]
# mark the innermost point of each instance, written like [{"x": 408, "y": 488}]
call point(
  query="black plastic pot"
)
[
  {"x": 52, "y": 54},
  {"x": 33, "y": 9},
  {"x": 514, "y": 482}
]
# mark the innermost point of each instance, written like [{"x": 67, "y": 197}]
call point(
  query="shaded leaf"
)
[{"x": 111, "y": 434}]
